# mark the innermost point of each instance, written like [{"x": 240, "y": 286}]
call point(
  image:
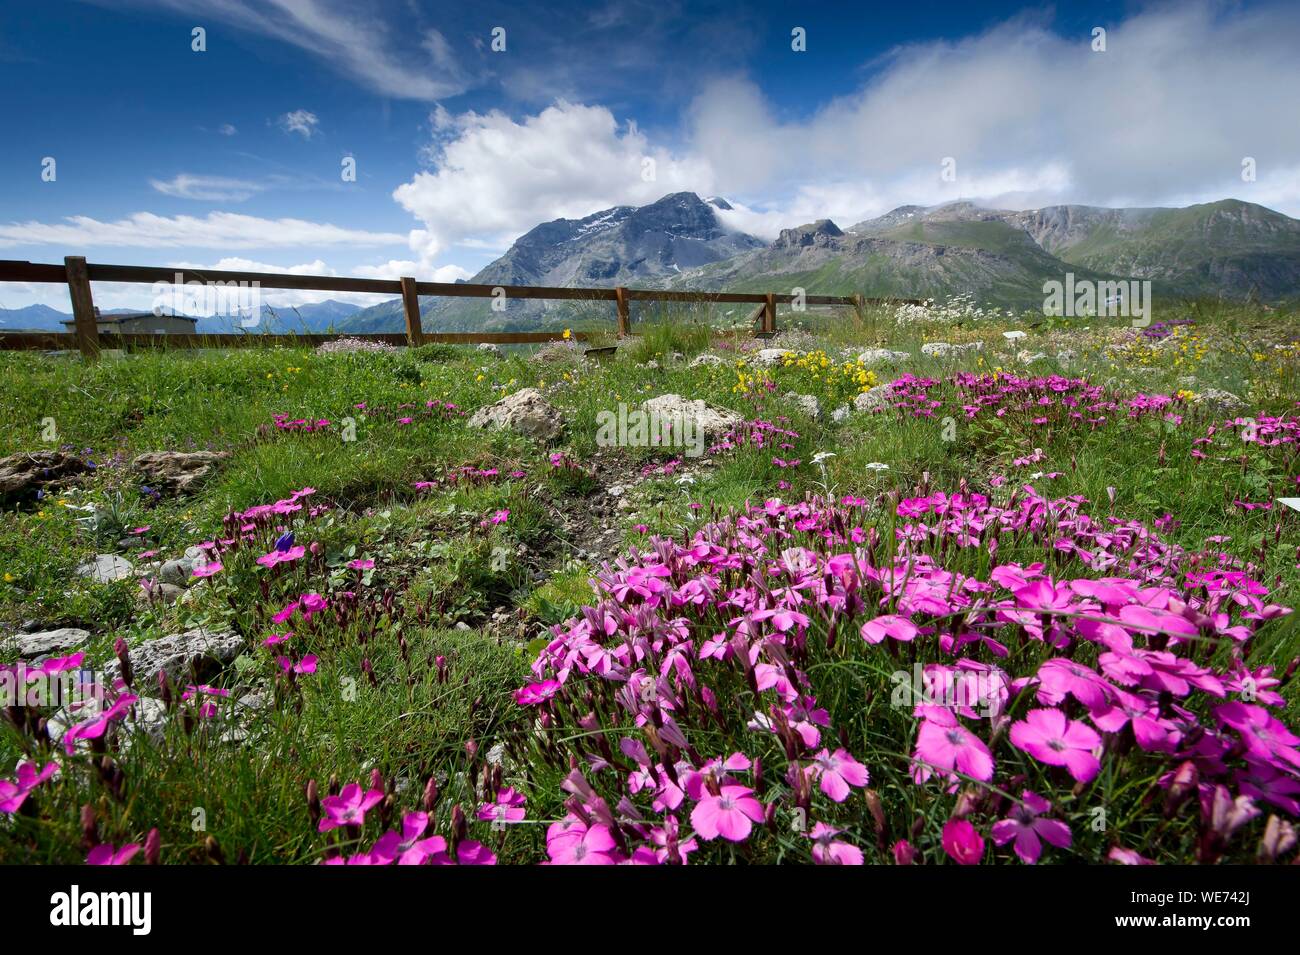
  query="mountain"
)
[
  {"x": 284, "y": 320},
  {"x": 627, "y": 245},
  {"x": 32, "y": 318},
  {"x": 1227, "y": 248},
  {"x": 907, "y": 253},
  {"x": 317, "y": 317}
]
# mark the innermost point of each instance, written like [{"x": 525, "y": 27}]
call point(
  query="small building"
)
[{"x": 141, "y": 323}]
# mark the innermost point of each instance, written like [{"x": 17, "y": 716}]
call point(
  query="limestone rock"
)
[
  {"x": 106, "y": 568},
  {"x": 767, "y": 357},
  {"x": 873, "y": 357},
  {"x": 32, "y": 471},
  {"x": 706, "y": 359},
  {"x": 808, "y": 404},
  {"x": 29, "y": 646},
  {"x": 208, "y": 650},
  {"x": 177, "y": 471},
  {"x": 877, "y": 397},
  {"x": 949, "y": 350},
  {"x": 710, "y": 420},
  {"x": 1218, "y": 399},
  {"x": 526, "y": 411}
]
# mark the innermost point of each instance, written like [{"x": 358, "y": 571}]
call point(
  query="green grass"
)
[{"x": 438, "y": 566}]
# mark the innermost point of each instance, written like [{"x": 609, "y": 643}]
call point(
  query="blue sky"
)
[{"x": 233, "y": 155}]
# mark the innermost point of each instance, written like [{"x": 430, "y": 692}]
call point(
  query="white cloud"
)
[
  {"x": 207, "y": 188},
  {"x": 497, "y": 177},
  {"x": 399, "y": 268},
  {"x": 300, "y": 121},
  {"x": 217, "y": 230},
  {"x": 1031, "y": 118},
  {"x": 227, "y": 129}
]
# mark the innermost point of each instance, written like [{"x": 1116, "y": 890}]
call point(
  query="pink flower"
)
[
  {"x": 1049, "y": 737},
  {"x": 536, "y": 693},
  {"x": 829, "y": 851},
  {"x": 962, "y": 842},
  {"x": 470, "y": 852},
  {"x": 207, "y": 570},
  {"x": 729, "y": 814},
  {"x": 889, "y": 625},
  {"x": 904, "y": 852},
  {"x": 207, "y": 709},
  {"x": 408, "y": 848},
  {"x": 583, "y": 846},
  {"x": 307, "y": 665},
  {"x": 507, "y": 808},
  {"x": 280, "y": 556},
  {"x": 94, "y": 728},
  {"x": 348, "y": 808},
  {"x": 104, "y": 854},
  {"x": 1127, "y": 857},
  {"x": 942, "y": 743},
  {"x": 361, "y": 564},
  {"x": 310, "y": 604},
  {"x": 1027, "y": 829},
  {"x": 13, "y": 795},
  {"x": 837, "y": 772},
  {"x": 289, "y": 610}
]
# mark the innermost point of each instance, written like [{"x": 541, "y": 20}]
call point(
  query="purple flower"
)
[{"x": 1024, "y": 825}]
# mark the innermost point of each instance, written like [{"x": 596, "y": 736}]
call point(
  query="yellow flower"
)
[{"x": 567, "y": 334}]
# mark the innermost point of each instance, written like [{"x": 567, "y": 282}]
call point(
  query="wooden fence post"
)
[
  {"x": 411, "y": 306},
  {"x": 860, "y": 307},
  {"x": 624, "y": 317},
  {"x": 83, "y": 306},
  {"x": 769, "y": 314}
]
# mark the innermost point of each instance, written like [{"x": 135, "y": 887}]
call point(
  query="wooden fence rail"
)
[{"x": 77, "y": 274}]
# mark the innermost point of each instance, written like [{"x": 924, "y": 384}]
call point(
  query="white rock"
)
[
  {"x": 767, "y": 357},
  {"x": 210, "y": 650},
  {"x": 877, "y": 397},
  {"x": 28, "y": 646},
  {"x": 1219, "y": 399},
  {"x": 808, "y": 404},
  {"x": 706, "y": 359},
  {"x": 948, "y": 350},
  {"x": 525, "y": 411},
  {"x": 106, "y": 568},
  {"x": 711, "y": 420},
  {"x": 873, "y": 357}
]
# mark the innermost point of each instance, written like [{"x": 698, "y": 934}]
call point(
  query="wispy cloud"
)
[
  {"x": 344, "y": 35},
  {"x": 207, "y": 188}
]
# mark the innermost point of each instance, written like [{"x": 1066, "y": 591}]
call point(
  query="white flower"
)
[
  {"x": 877, "y": 466},
  {"x": 821, "y": 456},
  {"x": 684, "y": 480}
]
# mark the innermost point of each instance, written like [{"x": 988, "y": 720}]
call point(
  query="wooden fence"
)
[{"x": 77, "y": 274}]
